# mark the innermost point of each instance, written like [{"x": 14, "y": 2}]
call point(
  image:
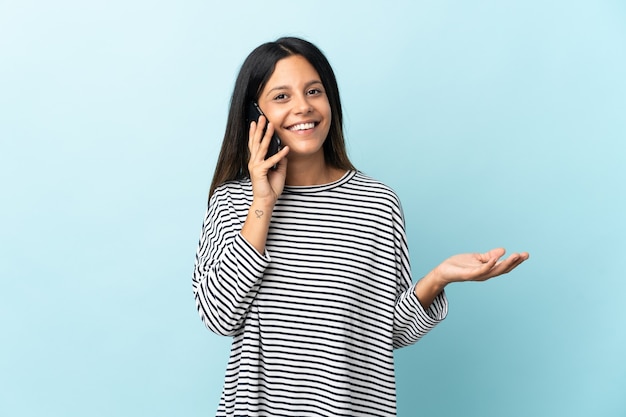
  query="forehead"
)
[{"x": 293, "y": 71}]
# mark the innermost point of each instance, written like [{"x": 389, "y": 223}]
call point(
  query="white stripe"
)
[{"x": 315, "y": 319}]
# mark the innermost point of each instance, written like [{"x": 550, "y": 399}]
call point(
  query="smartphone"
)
[{"x": 254, "y": 112}]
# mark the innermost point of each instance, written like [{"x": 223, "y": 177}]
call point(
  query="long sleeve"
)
[
  {"x": 314, "y": 329},
  {"x": 228, "y": 270},
  {"x": 411, "y": 321}
]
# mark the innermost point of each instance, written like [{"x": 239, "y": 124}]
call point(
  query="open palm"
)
[{"x": 478, "y": 266}]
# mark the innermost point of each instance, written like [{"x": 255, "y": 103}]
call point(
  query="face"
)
[{"x": 295, "y": 102}]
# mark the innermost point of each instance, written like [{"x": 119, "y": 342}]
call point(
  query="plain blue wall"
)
[{"x": 498, "y": 123}]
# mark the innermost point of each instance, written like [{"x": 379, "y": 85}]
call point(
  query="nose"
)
[{"x": 302, "y": 105}]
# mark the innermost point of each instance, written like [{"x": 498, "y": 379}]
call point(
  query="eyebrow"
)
[{"x": 286, "y": 87}]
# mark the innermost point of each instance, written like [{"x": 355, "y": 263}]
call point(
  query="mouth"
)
[{"x": 302, "y": 126}]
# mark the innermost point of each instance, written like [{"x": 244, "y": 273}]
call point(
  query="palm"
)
[{"x": 478, "y": 266}]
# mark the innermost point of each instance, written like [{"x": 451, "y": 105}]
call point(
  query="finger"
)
[
  {"x": 506, "y": 266},
  {"x": 516, "y": 262},
  {"x": 259, "y": 141},
  {"x": 279, "y": 159},
  {"x": 255, "y": 134},
  {"x": 496, "y": 253},
  {"x": 251, "y": 135},
  {"x": 492, "y": 254},
  {"x": 262, "y": 124},
  {"x": 482, "y": 272},
  {"x": 266, "y": 138}
]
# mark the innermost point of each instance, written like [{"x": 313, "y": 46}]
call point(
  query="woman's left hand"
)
[
  {"x": 477, "y": 266},
  {"x": 465, "y": 267}
]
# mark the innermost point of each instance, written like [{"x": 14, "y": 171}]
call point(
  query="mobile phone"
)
[{"x": 254, "y": 112}]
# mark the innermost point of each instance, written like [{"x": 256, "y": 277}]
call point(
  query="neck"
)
[{"x": 304, "y": 172}]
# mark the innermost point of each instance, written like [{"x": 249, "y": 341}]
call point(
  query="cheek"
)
[
  {"x": 277, "y": 117},
  {"x": 328, "y": 116},
  {"x": 327, "y": 112}
]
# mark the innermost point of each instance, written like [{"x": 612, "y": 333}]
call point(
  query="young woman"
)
[{"x": 304, "y": 260}]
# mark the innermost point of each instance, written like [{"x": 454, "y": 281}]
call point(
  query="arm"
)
[
  {"x": 412, "y": 320},
  {"x": 228, "y": 269},
  {"x": 231, "y": 257},
  {"x": 267, "y": 184}
]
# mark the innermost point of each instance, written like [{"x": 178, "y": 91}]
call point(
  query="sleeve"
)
[
  {"x": 411, "y": 321},
  {"x": 228, "y": 270}
]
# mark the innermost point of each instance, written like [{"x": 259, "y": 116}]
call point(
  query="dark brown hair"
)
[{"x": 232, "y": 163}]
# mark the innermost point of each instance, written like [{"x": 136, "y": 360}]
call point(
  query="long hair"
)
[{"x": 232, "y": 163}]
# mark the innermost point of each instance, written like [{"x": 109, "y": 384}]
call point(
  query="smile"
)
[{"x": 302, "y": 126}]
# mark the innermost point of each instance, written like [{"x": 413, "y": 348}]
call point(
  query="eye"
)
[
  {"x": 314, "y": 91},
  {"x": 281, "y": 96}
]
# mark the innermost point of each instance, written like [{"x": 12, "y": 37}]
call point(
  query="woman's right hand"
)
[{"x": 267, "y": 182}]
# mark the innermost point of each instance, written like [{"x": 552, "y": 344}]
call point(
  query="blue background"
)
[{"x": 498, "y": 124}]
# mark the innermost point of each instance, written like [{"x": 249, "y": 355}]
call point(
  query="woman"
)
[{"x": 304, "y": 260}]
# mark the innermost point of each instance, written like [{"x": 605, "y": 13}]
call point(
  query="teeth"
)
[{"x": 302, "y": 126}]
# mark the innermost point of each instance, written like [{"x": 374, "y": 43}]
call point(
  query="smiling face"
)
[{"x": 294, "y": 101}]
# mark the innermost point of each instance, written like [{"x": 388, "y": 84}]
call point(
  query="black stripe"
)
[{"x": 315, "y": 319}]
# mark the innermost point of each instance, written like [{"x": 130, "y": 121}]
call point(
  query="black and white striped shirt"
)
[{"x": 316, "y": 317}]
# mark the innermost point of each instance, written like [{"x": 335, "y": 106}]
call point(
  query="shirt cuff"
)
[{"x": 438, "y": 309}]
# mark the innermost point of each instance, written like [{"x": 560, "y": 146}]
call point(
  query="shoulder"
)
[
  {"x": 232, "y": 192},
  {"x": 372, "y": 188}
]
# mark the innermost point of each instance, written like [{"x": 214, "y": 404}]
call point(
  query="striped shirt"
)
[{"x": 315, "y": 318}]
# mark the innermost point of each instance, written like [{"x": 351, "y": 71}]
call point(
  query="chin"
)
[{"x": 305, "y": 153}]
